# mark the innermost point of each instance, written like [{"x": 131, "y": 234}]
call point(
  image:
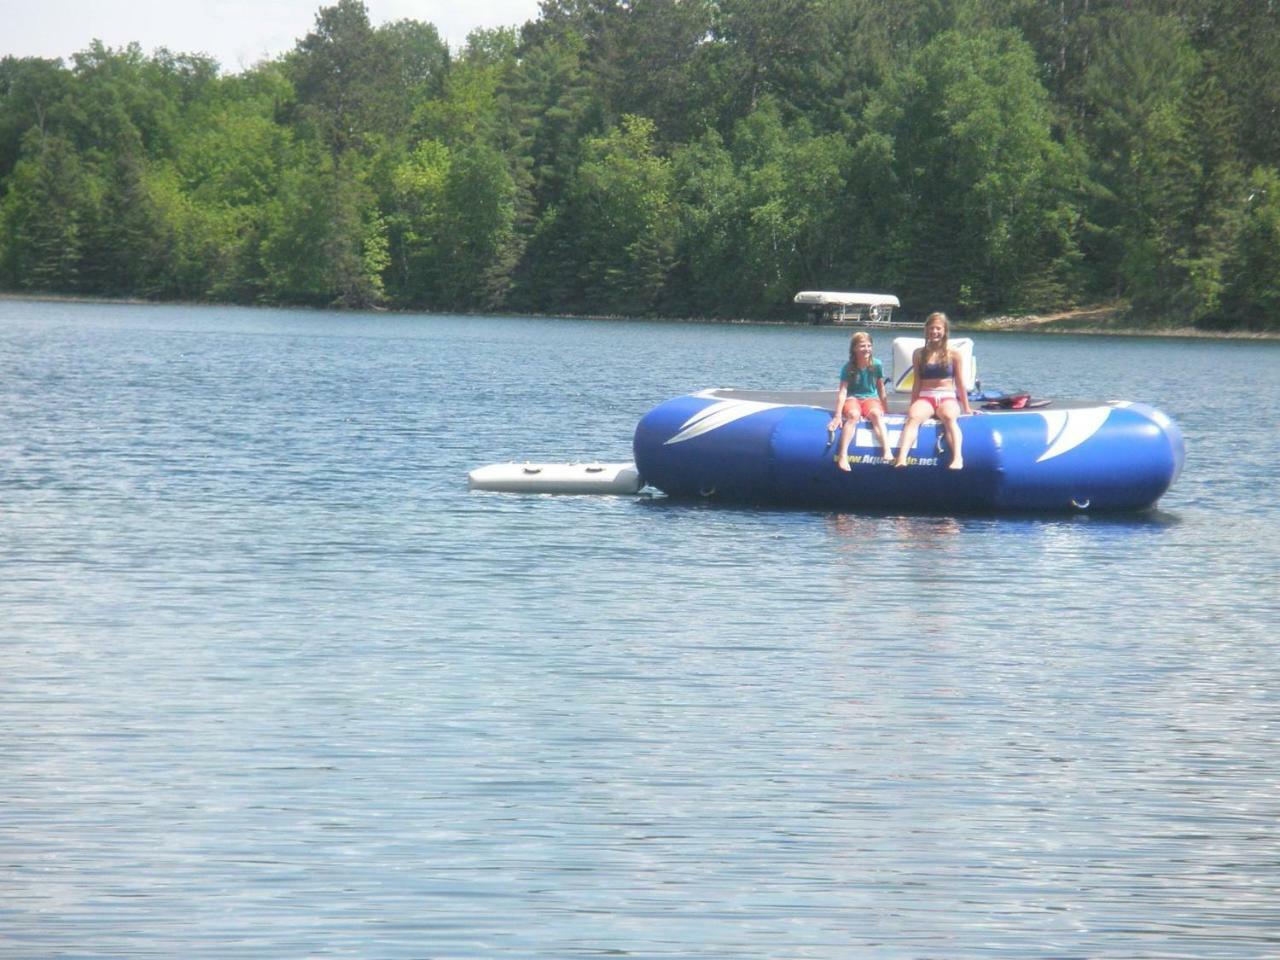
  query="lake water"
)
[{"x": 273, "y": 683}]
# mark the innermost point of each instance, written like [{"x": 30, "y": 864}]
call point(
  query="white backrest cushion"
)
[{"x": 905, "y": 347}]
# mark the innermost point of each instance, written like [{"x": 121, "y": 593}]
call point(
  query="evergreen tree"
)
[
  {"x": 325, "y": 240},
  {"x": 43, "y": 216},
  {"x": 620, "y": 220},
  {"x": 1138, "y": 92},
  {"x": 477, "y": 245},
  {"x": 335, "y": 71},
  {"x": 553, "y": 109}
]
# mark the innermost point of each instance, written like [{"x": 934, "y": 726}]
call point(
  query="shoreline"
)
[{"x": 1089, "y": 321}]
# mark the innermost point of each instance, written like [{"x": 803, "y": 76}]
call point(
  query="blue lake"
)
[{"x": 274, "y": 683}]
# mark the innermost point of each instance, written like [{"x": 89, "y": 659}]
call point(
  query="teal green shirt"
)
[{"x": 862, "y": 383}]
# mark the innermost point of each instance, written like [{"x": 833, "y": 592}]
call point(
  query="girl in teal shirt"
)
[{"x": 861, "y": 394}]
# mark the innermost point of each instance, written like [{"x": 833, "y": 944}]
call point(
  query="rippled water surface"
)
[{"x": 273, "y": 683}]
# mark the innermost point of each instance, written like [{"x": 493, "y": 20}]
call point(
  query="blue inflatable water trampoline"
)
[{"x": 774, "y": 448}]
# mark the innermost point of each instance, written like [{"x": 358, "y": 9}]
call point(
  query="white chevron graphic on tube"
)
[
  {"x": 718, "y": 415},
  {"x": 1070, "y": 428}
]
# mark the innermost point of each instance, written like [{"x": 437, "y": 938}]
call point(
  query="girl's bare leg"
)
[
  {"x": 948, "y": 413},
  {"x": 906, "y": 441},
  {"x": 877, "y": 425},
  {"x": 917, "y": 413},
  {"x": 846, "y": 437}
]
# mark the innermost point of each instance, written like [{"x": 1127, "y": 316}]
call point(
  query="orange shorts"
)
[{"x": 858, "y": 407}]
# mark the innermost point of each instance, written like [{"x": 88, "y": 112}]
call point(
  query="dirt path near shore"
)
[
  {"x": 1086, "y": 316},
  {"x": 1108, "y": 319}
]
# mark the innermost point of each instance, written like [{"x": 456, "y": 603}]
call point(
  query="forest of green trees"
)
[{"x": 673, "y": 158}]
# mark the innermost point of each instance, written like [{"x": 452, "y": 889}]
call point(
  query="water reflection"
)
[{"x": 926, "y": 532}]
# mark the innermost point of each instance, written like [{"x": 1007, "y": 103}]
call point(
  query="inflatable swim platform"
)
[
  {"x": 1021, "y": 454},
  {"x": 774, "y": 448}
]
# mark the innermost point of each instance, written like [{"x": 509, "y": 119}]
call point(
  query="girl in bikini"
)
[
  {"x": 939, "y": 390},
  {"x": 861, "y": 394}
]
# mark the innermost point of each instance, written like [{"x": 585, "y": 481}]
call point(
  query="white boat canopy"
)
[
  {"x": 841, "y": 307},
  {"x": 834, "y": 298}
]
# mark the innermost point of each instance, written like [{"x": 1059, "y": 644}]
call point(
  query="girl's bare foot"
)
[
  {"x": 886, "y": 454},
  {"x": 957, "y": 463},
  {"x": 843, "y": 463}
]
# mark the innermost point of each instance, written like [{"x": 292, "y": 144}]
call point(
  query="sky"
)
[{"x": 236, "y": 33}]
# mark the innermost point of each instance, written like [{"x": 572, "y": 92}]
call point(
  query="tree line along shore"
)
[{"x": 1002, "y": 159}]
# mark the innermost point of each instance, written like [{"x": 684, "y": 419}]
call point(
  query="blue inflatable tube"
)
[{"x": 772, "y": 448}]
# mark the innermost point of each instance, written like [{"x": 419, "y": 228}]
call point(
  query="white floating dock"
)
[{"x": 608, "y": 478}]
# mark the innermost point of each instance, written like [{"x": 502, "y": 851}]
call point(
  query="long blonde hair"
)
[{"x": 856, "y": 339}]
